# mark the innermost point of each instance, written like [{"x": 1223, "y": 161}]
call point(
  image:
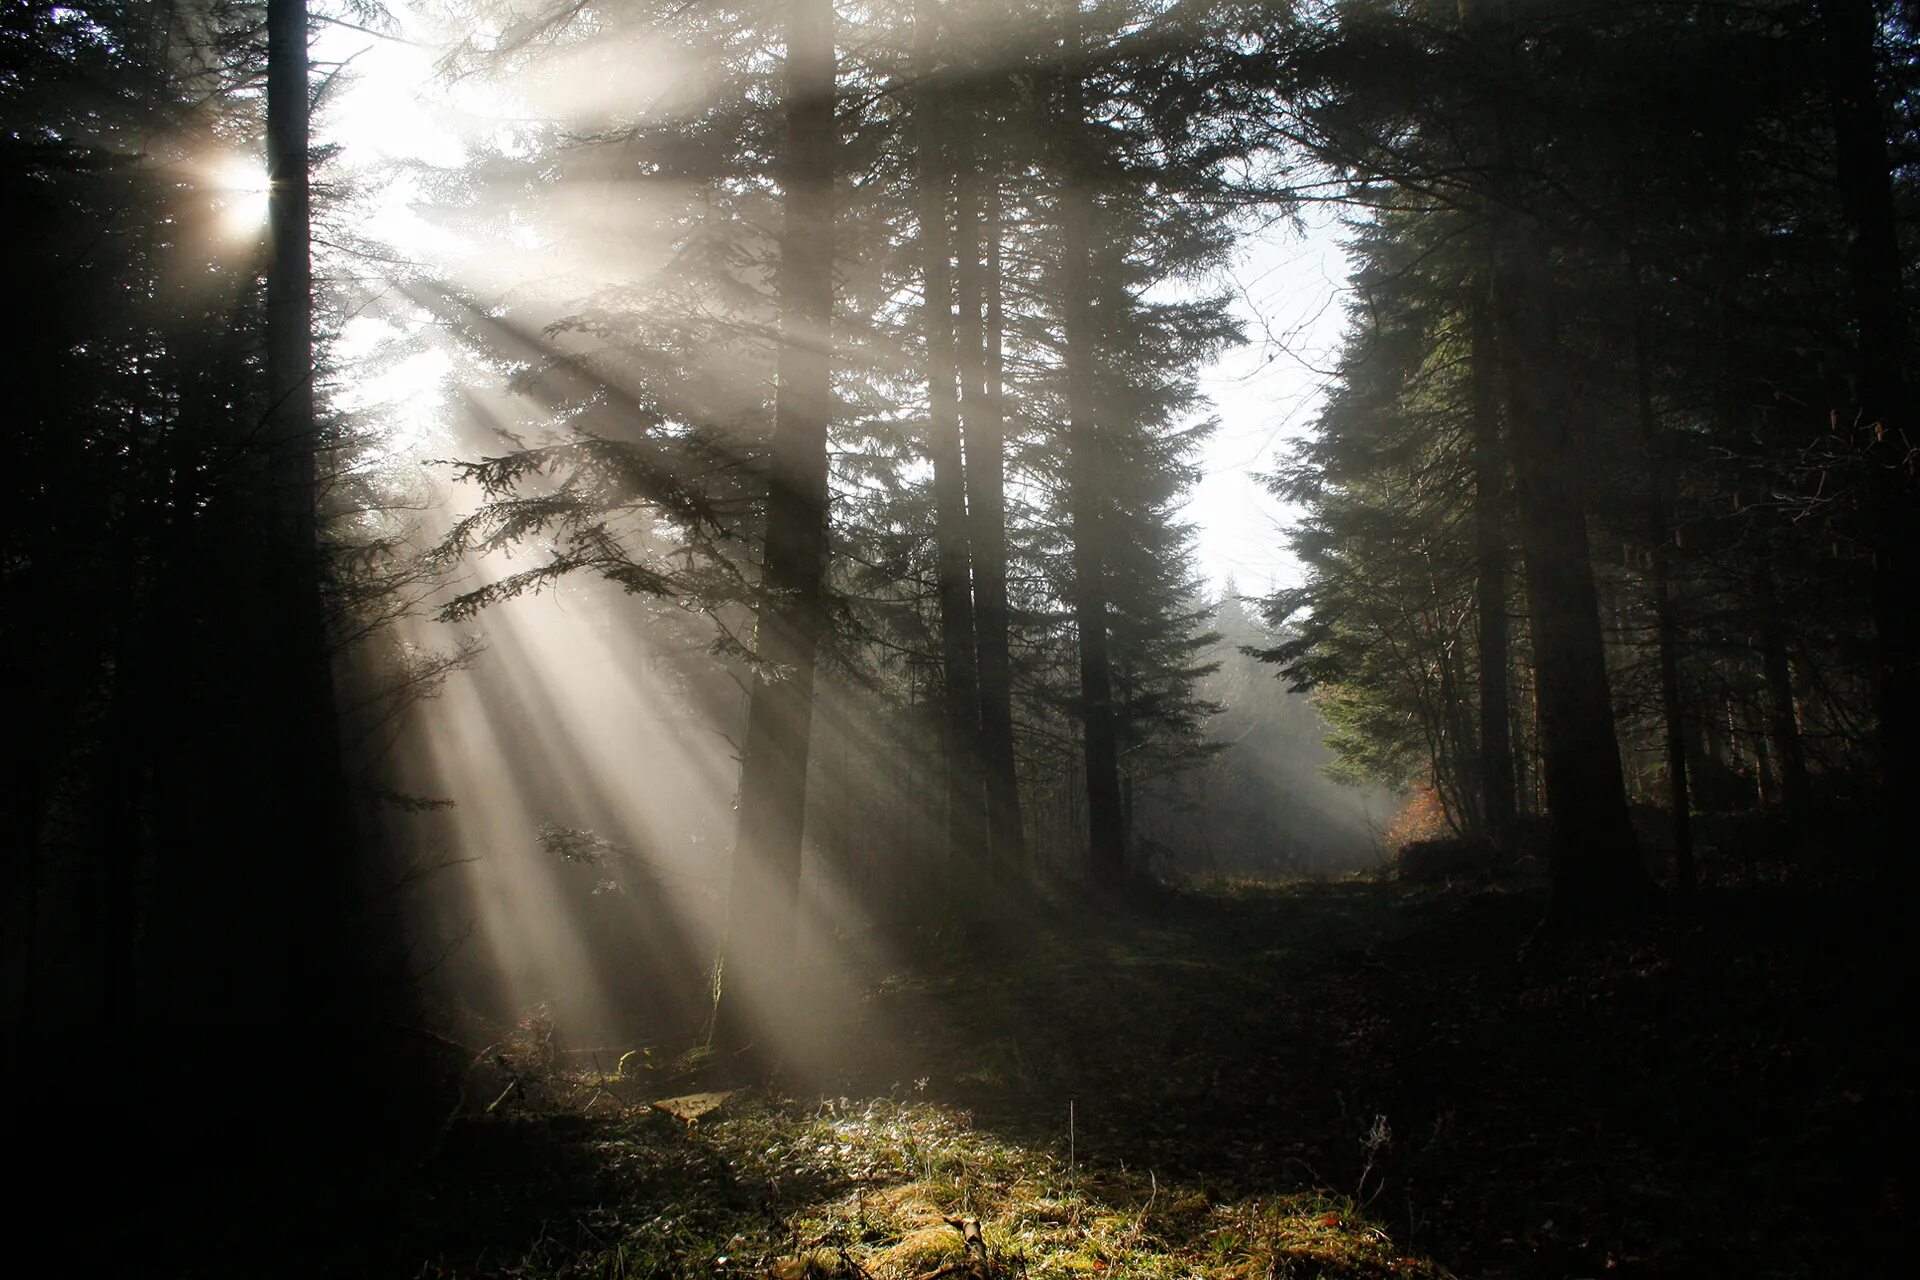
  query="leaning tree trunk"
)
[{"x": 757, "y": 955}]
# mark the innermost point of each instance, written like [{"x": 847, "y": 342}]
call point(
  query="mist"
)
[{"x": 628, "y": 653}]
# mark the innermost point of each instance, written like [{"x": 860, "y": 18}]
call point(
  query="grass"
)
[
  {"x": 1354, "y": 1079},
  {"x": 864, "y": 1190}
]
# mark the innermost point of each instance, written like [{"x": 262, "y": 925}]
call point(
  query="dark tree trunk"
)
[
  {"x": 1596, "y": 867},
  {"x": 1086, "y": 494},
  {"x": 960, "y": 694},
  {"x": 758, "y": 953},
  {"x": 983, "y": 411},
  {"x": 1660, "y": 536},
  {"x": 1884, "y": 407},
  {"x": 21, "y": 804},
  {"x": 1490, "y": 587},
  {"x": 121, "y": 788},
  {"x": 299, "y": 730},
  {"x": 292, "y": 428},
  {"x": 1785, "y": 748},
  {"x": 1875, "y": 267},
  {"x": 245, "y": 930}
]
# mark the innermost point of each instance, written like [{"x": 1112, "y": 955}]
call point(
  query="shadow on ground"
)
[{"x": 1196, "y": 1084}]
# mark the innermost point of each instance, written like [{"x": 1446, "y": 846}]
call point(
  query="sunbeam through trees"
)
[{"x": 626, "y": 663}]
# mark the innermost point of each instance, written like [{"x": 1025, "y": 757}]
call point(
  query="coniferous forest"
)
[{"x": 623, "y": 670}]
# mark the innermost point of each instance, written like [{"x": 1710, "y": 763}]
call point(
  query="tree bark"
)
[
  {"x": 1490, "y": 587},
  {"x": 983, "y": 414},
  {"x": 960, "y": 694},
  {"x": 1595, "y": 864},
  {"x": 299, "y": 731},
  {"x": 1596, "y": 869},
  {"x": 1666, "y": 616},
  {"x": 757, "y": 956},
  {"x": 1788, "y": 753},
  {"x": 1884, "y": 404},
  {"x": 1085, "y": 486}
]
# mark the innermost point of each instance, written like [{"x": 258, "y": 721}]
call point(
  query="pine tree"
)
[
  {"x": 936, "y": 165},
  {"x": 1136, "y": 204},
  {"x": 1678, "y": 219},
  {"x": 170, "y": 589},
  {"x": 758, "y": 952}
]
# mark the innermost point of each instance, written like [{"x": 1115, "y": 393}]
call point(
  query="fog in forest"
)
[
  {"x": 575, "y": 782},
  {"x": 960, "y": 639}
]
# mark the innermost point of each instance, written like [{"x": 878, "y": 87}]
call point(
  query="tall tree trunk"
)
[
  {"x": 960, "y": 694},
  {"x": 1086, "y": 476},
  {"x": 1784, "y": 746},
  {"x": 292, "y": 427},
  {"x": 1660, "y": 535},
  {"x": 757, "y": 955},
  {"x": 1875, "y": 268},
  {"x": 300, "y": 732},
  {"x": 1490, "y": 586},
  {"x": 246, "y": 934},
  {"x": 984, "y": 416},
  {"x": 1596, "y": 867}
]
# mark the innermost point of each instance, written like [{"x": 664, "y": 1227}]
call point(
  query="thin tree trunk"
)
[
  {"x": 960, "y": 702},
  {"x": 1085, "y": 484},
  {"x": 758, "y": 952},
  {"x": 120, "y": 788},
  {"x": 984, "y": 417},
  {"x": 1490, "y": 587},
  {"x": 1785, "y": 749},
  {"x": 1666, "y": 616},
  {"x": 300, "y": 733},
  {"x": 1875, "y": 268}
]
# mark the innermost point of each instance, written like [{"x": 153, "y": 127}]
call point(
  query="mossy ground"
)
[
  {"x": 773, "y": 1187},
  {"x": 1356, "y": 1079}
]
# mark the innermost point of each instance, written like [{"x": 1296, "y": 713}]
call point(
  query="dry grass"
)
[
  {"x": 1692, "y": 1098},
  {"x": 865, "y": 1191}
]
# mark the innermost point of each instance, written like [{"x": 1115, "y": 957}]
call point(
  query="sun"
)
[{"x": 243, "y": 187}]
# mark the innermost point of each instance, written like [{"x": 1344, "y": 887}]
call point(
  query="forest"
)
[{"x": 625, "y": 668}]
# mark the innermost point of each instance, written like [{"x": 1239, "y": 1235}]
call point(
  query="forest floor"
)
[{"x": 1347, "y": 1079}]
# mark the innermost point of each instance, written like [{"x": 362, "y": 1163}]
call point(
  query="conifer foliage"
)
[
  {"x": 178, "y": 864},
  {"x": 860, "y": 344},
  {"x": 1589, "y": 359}
]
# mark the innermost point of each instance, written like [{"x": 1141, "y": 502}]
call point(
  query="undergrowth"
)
[
  {"x": 881, "y": 1189},
  {"x": 1354, "y": 1079}
]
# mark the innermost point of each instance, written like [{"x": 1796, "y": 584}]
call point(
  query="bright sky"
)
[
  {"x": 1291, "y": 287},
  {"x": 394, "y": 110}
]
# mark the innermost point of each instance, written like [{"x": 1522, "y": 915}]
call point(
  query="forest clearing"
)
[
  {"x": 1350, "y": 1079},
  {"x": 959, "y": 639}
]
